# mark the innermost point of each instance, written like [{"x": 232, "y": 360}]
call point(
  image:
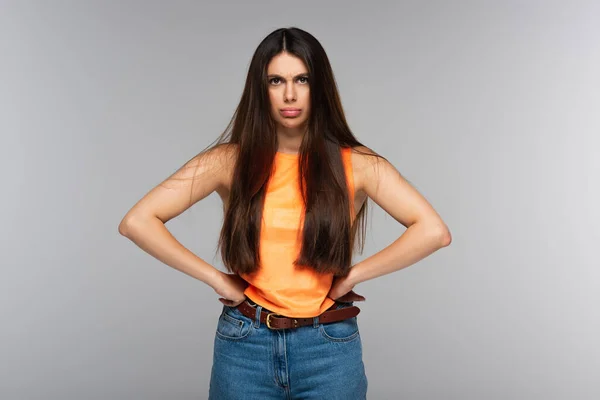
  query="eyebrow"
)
[{"x": 279, "y": 76}]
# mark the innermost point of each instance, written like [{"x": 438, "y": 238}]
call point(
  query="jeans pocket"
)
[
  {"x": 233, "y": 325},
  {"x": 341, "y": 331}
]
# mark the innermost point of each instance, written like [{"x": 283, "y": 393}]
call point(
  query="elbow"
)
[
  {"x": 126, "y": 225},
  {"x": 132, "y": 223},
  {"x": 438, "y": 232},
  {"x": 444, "y": 236}
]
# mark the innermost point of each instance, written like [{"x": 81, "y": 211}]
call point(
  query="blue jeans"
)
[{"x": 254, "y": 362}]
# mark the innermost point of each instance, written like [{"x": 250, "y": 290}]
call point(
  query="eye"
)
[
  {"x": 273, "y": 79},
  {"x": 305, "y": 78}
]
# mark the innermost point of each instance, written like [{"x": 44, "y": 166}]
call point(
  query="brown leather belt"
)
[{"x": 277, "y": 321}]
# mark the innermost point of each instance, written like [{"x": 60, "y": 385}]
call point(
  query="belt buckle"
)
[{"x": 269, "y": 321}]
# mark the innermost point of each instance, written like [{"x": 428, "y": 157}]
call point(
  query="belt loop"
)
[
  {"x": 257, "y": 316},
  {"x": 315, "y": 322}
]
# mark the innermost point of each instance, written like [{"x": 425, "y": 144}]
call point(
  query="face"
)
[{"x": 287, "y": 82}]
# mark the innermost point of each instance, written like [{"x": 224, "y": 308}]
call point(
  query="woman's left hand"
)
[{"x": 342, "y": 290}]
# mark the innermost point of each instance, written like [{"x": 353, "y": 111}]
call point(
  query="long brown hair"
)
[{"x": 328, "y": 233}]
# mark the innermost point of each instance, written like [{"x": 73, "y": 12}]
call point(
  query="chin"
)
[{"x": 292, "y": 123}]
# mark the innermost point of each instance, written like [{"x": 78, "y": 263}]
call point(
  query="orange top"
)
[{"x": 277, "y": 285}]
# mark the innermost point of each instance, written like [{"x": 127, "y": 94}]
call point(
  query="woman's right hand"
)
[{"x": 231, "y": 287}]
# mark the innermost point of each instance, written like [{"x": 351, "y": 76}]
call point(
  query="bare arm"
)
[
  {"x": 144, "y": 224},
  {"x": 425, "y": 233}
]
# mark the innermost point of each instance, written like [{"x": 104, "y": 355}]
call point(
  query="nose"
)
[{"x": 290, "y": 92}]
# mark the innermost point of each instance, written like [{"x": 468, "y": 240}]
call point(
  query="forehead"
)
[{"x": 286, "y": 64}]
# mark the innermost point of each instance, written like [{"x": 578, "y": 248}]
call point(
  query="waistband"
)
[
  {"x": 253, "y": 304},
  {"x": 277, "y": 321}
]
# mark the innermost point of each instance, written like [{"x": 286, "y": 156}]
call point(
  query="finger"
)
[
  {"x": 230, "y": 303},
  {"x": 358, "y": 296},
  {"x": 350, "y": 296}
]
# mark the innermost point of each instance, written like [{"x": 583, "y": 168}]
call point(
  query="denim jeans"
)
[{"x": 318, "y": 361}]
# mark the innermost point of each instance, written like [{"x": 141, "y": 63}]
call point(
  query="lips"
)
[{"x": 290, "y": 112}]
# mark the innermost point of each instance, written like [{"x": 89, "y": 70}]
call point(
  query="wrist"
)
[
  {"x": 354, "y": 275},
  {"x": 214, "y": 279}
]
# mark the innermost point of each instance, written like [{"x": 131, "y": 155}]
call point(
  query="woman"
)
[{"x": 294, "y": 183}]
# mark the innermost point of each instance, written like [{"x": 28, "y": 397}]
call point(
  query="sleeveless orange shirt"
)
[{"x": 277, "y": 285}]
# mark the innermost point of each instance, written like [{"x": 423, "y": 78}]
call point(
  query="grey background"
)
[{"x": 489, "y": 108}]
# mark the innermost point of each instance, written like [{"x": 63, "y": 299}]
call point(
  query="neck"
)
[{"x": 289, "y": 139}]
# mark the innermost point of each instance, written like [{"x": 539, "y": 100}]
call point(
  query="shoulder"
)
[
  {"x": 225, "y": 154},
  {"x": 224, "y": 157},
  {"x": 216, "y": 158},
  {"x": 366, "y": 163},
  {"x": 362, "y": 154},
  {"x": 216, "y": 162}
]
